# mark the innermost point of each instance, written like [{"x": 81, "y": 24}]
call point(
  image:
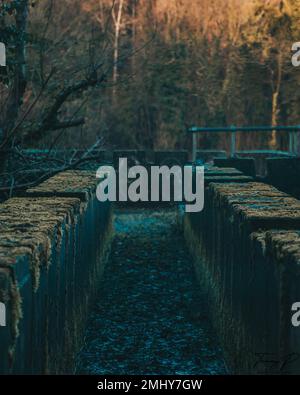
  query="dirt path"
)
[{"x": 150, "y": 317}]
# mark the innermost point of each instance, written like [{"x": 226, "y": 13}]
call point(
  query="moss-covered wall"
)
[
  {"x": 53, "y": 247},
  {"x": 239, "y": 262}
]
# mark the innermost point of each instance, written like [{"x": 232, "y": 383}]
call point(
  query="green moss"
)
[
  {"x": 11, "y": 296},
  {"x": 259, "y": 239},
  {"x": 284, "y": 245},
  {"x": 81, "y": 184}
]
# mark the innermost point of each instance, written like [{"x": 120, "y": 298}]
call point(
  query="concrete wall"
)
[
  {"x": 250, "y": 283},
  {"x": 209, "y": 155},
  {"x": 252, "y": 163},
  {"x": 246, "y": 165},
  {"x": 170, "y": 158},
  {"x": 284, "y": 174},
  {"x": 53, "y": 248}
]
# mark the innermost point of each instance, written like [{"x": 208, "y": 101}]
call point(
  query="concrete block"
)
[
  {"x": 134, "y": 157},
  {"x": 210, "y": 155},
  {"x": 170, "y": 158},
  {"x": 245, "y": 165},
  {"x": 284, "y": 174}
]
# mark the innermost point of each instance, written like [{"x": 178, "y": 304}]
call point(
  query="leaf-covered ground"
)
[{"x": 150, "y": 317}]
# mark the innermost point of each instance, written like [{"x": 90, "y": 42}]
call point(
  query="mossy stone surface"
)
[{"x": 78, "y": 184}]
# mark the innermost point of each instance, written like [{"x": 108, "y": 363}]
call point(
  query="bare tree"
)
[
  {"x": 13, "y": 97},
  {"x": 18, "y": 102}
]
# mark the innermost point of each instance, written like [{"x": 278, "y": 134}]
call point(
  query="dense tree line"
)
[
  {"x": 201, "y": 62},
  {"x": 137, "y": 73}
]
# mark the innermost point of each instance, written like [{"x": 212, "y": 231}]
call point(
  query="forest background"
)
[{"x": 137, "y": 73}]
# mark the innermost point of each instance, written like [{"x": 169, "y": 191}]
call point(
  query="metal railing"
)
[{"x": 292, "y": 130}]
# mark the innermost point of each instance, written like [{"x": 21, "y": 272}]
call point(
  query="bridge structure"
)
[{"x": 56, "y": 243}]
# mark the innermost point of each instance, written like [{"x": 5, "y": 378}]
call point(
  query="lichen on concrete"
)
[
  {"x": 81, "y": 184},
  {"x": 11, "y": 293},
  {"x": 225, "y": 171},
  {"x": 284, "y": 245},
  {"x": 259, "y": 238},
  {"x": 227, "y": 179},
  {"x": 27, "y": 227}
]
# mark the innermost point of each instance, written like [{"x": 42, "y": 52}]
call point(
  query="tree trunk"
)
[
  {"x": 118, "y": 21},
  {"x": 275, "y": 102}
]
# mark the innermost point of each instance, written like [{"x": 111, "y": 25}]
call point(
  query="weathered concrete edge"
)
[{"x": 104, "y": 237}]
